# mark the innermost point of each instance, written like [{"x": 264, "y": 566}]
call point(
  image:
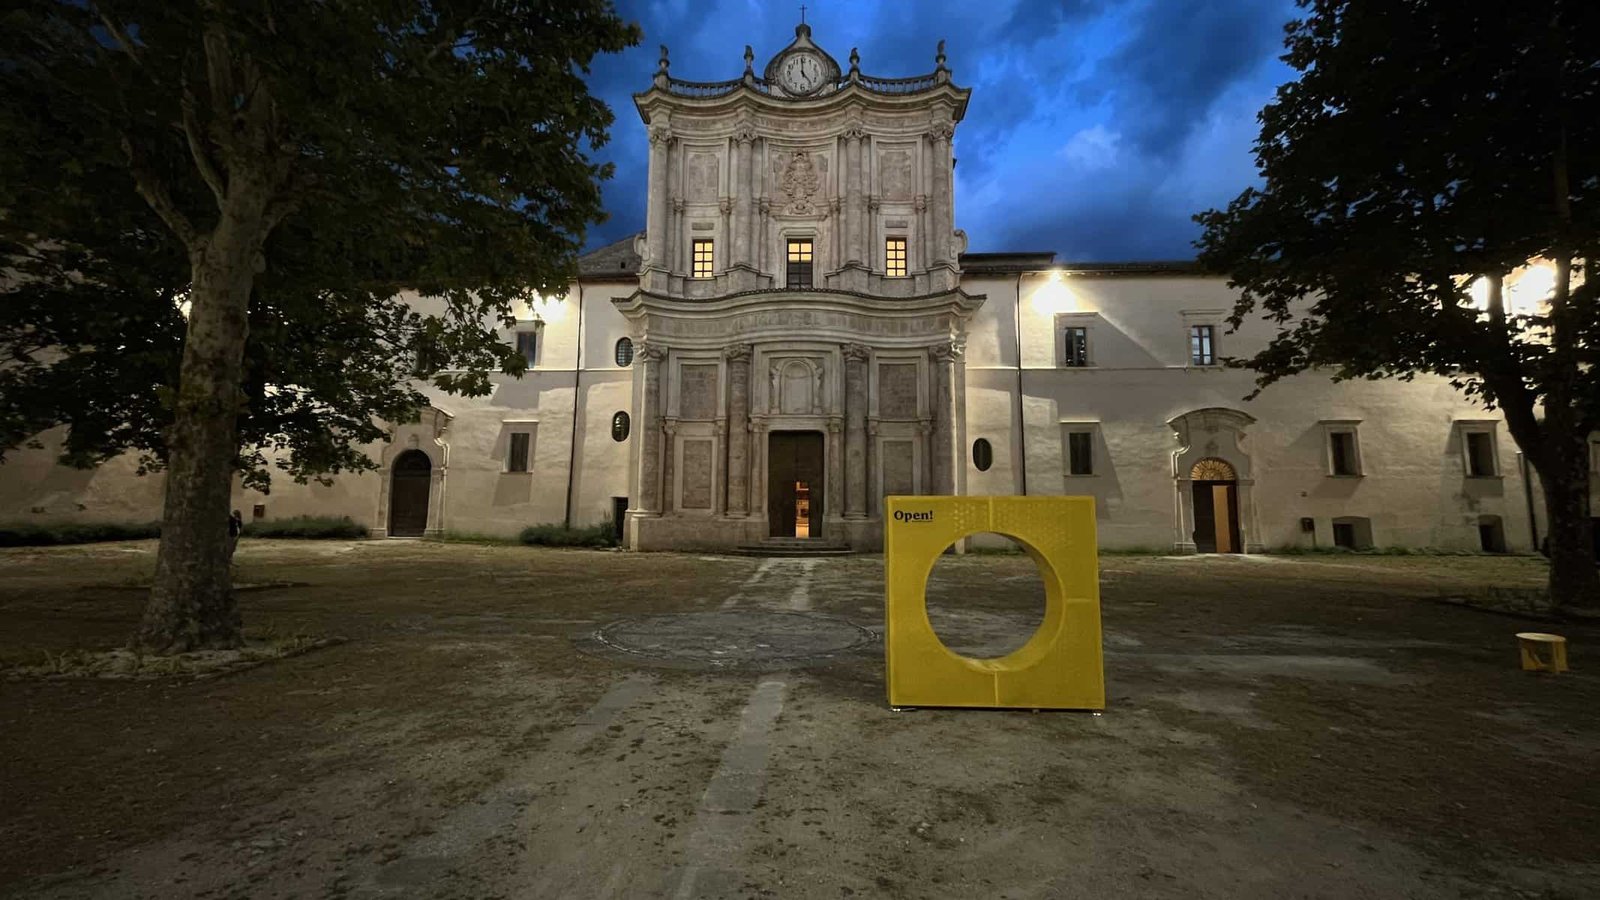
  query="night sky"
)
[{"x": 1096, "y": 127}]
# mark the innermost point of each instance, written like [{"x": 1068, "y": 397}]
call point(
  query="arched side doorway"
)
[
  {"x": 1215, "y": 490},
  {"x": 412, "y": 481},
  {"x": 1214, "y": 481}
]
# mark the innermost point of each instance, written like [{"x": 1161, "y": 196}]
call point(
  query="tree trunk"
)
[
  {"x": 1564, "y": 477},
  {"x": 191, "y": 602}
]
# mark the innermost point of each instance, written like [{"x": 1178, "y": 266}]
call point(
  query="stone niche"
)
[{"x": 795, "y": 386}]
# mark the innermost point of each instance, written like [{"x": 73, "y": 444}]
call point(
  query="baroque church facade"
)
[{"x": 800, "y": 332}]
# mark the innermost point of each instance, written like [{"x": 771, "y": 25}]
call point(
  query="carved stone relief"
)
[
  {"x": 898, "y": 468},
  {"x": 800, "y": 183},
  {"x": 897, "y": 391},
  {"x": 697, "y": 471},
  {"x": 697, "y": 395},
  {"x": 894, "y": 172},
  {"x": 703, "y": 185}
]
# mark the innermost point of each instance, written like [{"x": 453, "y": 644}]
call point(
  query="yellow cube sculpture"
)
[{"x": 1060, "y": 667}]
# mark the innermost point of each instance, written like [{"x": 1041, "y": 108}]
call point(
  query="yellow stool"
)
[
  {"x": 1058, "y": 668},
  {"x": 1542, "y": 652}
]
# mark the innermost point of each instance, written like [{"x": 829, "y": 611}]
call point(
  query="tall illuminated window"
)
[
  {"x": 704, "y": 257},
  {"x": 894, "y": 257},
  {"x": 800, "y": 265}
]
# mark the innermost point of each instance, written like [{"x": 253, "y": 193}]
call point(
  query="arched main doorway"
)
[
  {"x": 1216, "y": 506},
  {"x": 408, "y": 494}
]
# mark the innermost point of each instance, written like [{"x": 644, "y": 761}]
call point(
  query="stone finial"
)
[
  {"x": 938, "y": 56},
  {"x": 941, "y": 72},
  {"x": 662, "y": 79},
  {"x": 749, "y": 60},
  {"x": 855, "y": 62}
]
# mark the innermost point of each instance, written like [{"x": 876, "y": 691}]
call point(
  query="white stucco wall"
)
[{"x": 1413, "y": 486}]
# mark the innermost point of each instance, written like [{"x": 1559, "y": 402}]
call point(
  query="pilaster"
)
[{"x": 856, "y": 357}]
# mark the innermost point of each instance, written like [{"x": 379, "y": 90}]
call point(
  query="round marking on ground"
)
[{"x": 734, "y": 639}]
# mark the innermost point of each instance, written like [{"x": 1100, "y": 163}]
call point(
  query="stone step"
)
[{"x": 794, "y": 547}]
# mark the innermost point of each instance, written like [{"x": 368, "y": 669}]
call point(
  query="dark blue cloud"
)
[{"x": 1096, "y": 127}]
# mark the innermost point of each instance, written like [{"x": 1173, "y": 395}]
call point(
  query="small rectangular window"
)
[
  {"x": 1344, "y": 535},
  {"x": 1342, "y": 453},
  {"x": 799, "y": 272},
  {"x": 1202, "y": 345},
  {"x": 704, "y": 257},
  {"x": 528, "y": 346},
  {"x": 1080, "y": 453},
  {"x": 1480, "y": 454},
  {"x": 517, "y": 454},
  {"x": 894, "y": 256},
  {"x": 1076, "y": 350}
]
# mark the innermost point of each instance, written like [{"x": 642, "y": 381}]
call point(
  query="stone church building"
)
[{"x": 801, "y": 331}]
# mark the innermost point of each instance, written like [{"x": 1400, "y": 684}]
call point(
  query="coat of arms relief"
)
[{"x": 801, "y": 182}]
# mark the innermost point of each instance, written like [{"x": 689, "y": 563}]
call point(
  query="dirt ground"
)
[{"x": 1276, "y": 727}]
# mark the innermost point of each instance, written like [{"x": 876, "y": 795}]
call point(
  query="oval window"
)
[
  {"x": 619, "y": 427},
  {"x": 982, "y": 454},
  {"x": 625, "y": 353}
]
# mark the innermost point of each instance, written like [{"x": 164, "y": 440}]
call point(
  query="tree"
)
[
  {"x": 209, "y": 208},
  {"x": 1428, "y": 153}
]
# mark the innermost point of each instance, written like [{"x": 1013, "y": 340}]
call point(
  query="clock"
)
[{"x": 801, "y": 73}]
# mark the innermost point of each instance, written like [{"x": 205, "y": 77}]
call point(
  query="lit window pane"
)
[
  {"x": 799, "y": 269},
  {"x": 704, "y": 258},
  {"x": 894, "y": 254}
]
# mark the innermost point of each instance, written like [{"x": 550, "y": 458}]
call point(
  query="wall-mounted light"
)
[{"x": 1054, "y": 296}]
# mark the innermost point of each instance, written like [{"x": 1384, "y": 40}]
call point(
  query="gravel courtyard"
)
[{"x": 498, "y": 723}]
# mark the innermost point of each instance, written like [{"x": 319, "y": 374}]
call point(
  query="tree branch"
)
[
  {"x": 154, "y": 191},
  {"x": 119, "y": 35},
  {"x": 198, "y": 149}
]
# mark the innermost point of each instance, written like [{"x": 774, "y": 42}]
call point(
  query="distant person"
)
[{"x": 235, "y": 528}]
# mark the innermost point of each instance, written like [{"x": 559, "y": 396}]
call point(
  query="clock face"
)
[{"x": 801, "y": 73}]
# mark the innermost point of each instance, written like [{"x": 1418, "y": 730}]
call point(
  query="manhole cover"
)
[{"x": 738, "y": 639}]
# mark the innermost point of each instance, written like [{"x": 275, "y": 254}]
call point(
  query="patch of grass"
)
[
  {"x": 30, "y": 534},
  {"x": 1136, "y": 551},
  {"x": 600, "y": 535},
  {"x": 307, "y": 528},
  {"x": 472, "y": 537},
  {"x": 1293, "y": 550}
]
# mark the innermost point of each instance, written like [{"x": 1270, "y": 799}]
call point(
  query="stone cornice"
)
[
  {"x": 851, "y": 96},
  {"x": 921, "y": 303}
]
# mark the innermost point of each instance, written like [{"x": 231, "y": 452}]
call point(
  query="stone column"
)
[
  {"x": 763, "y": 212},
  {"x": 652, "y": 357},
  {"x": 855, "y": 199},
  {"x": 874, "y": 478},
  {"x": 943, "y": 218},
  {"x": 658, "y": 202},
  {"x": 855, "y": 430},
  {"x": 758, "y": 465},
  {"x": 743, "y": 194},
  {"x": 738, "y": 357},
  {"x": 669, "y": 444},
  {"x": 945, "y": 359},
  {"x": 835, "y": 468}
]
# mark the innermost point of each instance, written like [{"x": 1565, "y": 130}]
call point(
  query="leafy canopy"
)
[
  {"x": 437, "y": 147},
  {"x": 1424, "y": 145}
]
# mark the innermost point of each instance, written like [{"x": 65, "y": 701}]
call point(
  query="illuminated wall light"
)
[
  {"x": 1532, "y": 287},
  {"x": 1054, "y": 296}
]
